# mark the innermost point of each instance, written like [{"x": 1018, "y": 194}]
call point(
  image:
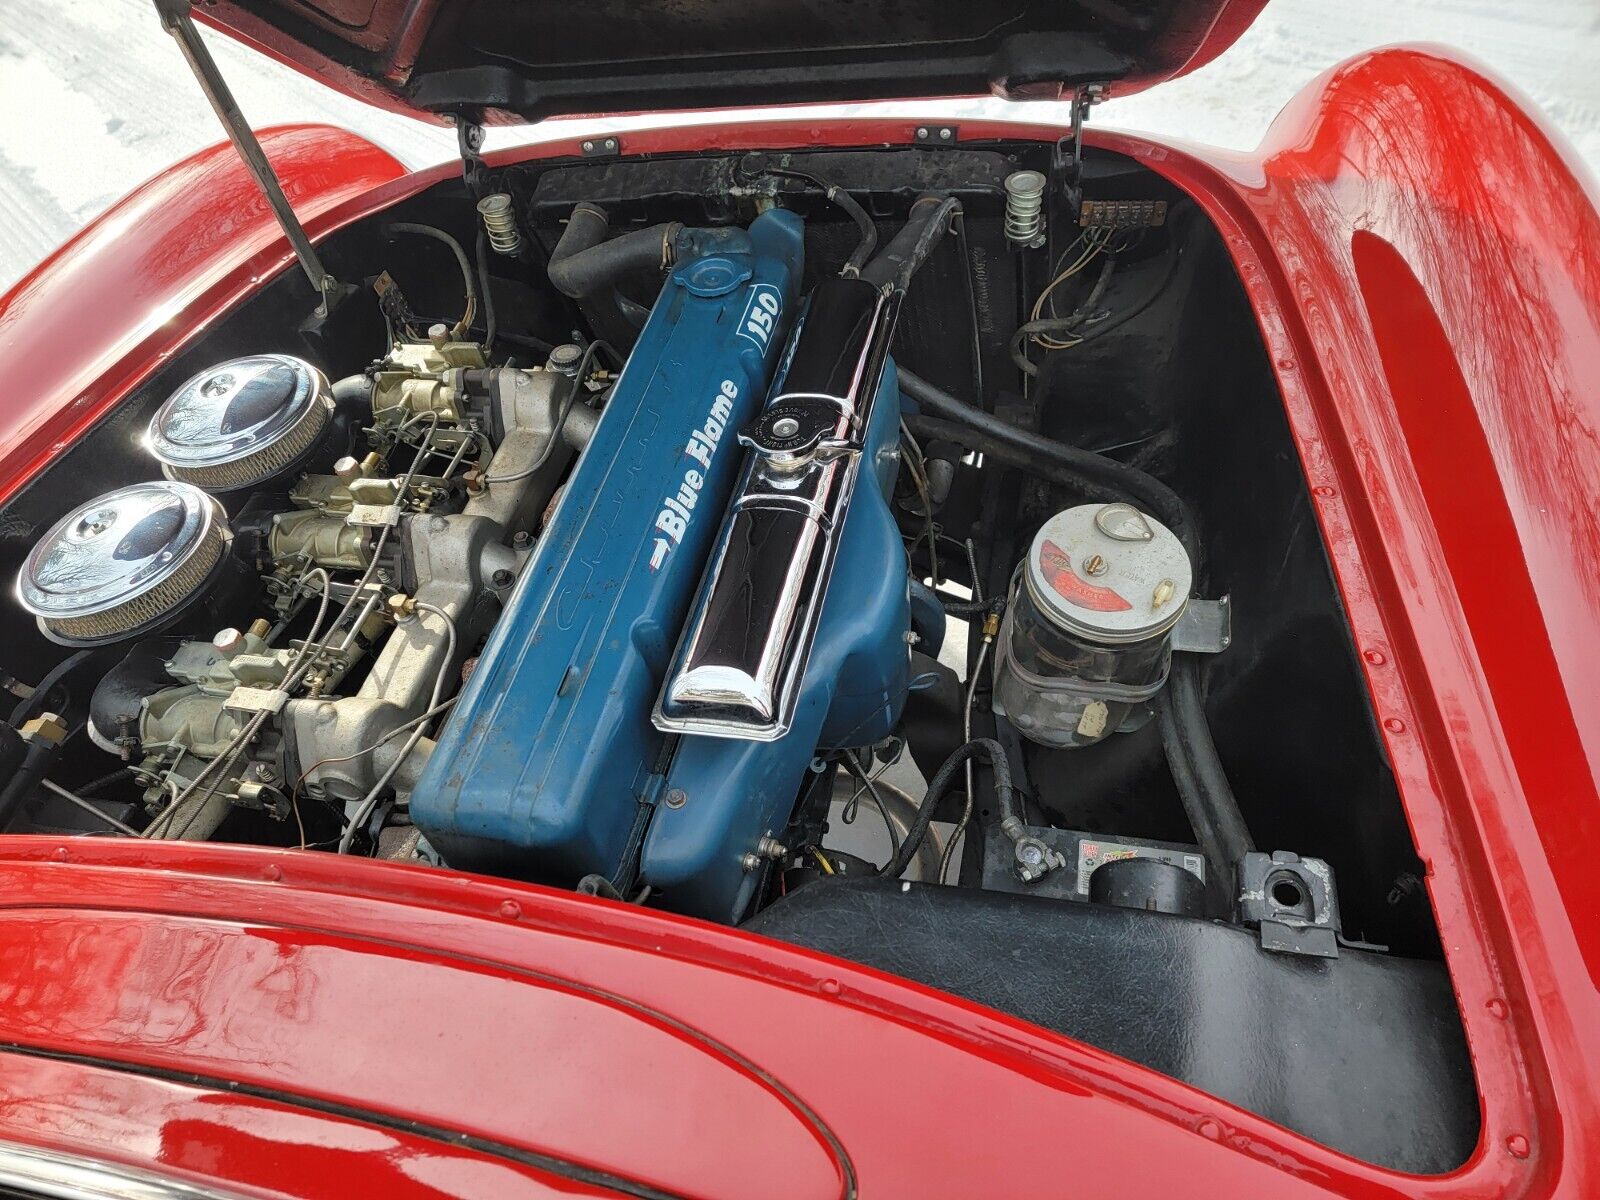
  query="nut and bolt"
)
[
  {"x": 521, "y": 540},
  {"x": 347, "y": 469},
  {"x": 46, "y": 727},
  {"x": 401, "y": 606},
  {"x": 228, "y": 642},
  {"x": 676, "y": 798},
  {"x": 502, "y": 578},
  {"x": 439, "y": 334},
  {"x": 767, "y": 849}
]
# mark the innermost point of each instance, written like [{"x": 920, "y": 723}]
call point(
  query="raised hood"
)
[{"x": 498, "y": 61}]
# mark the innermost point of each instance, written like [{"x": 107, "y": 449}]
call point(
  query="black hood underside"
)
[{"x": 504, "y": 60}]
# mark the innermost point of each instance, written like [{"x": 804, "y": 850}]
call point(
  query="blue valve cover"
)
[
  {"x": 547, "y": 762},
  {"x": 853, "y": 692}
]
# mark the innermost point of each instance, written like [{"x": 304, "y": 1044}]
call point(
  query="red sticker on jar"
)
[{"x": 1057, "y": 569}]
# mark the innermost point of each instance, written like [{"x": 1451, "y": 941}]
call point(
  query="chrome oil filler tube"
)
[{"x": 738, "y": 669}]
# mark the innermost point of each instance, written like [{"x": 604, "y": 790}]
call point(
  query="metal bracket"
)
[
  {"x": 1206, "y": 627},
  {"x": 375, "y": 516},
  {"x": 1293, "y": 902},
  {"x": 469, "y": 141},
  {"x": 256, "y": 699},
  {"x": 608, "y": 146},
  {"x": 1068, "y": 157},
  {"x": 177, "y": 19},
  {"x": 943, "y": 136}
]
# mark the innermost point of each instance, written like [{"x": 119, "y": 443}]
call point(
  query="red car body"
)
[{"x": 1423, "y": 257}]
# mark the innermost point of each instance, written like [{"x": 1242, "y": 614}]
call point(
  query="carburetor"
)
[{"x": 376, "y": 523}]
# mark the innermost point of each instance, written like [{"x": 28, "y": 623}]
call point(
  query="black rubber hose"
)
[
  {"x": 352, "y": 391},
  {"x": 469, "y": 281},
  {"x": 1095, "y": 475},
  {"x": 49, "y": 691},
  {"x": 587, "y": 227},
  {"x": 19, "y": 789},
  {"x": 485, "y": 292},
  {"x": 942, "y": 779},
  {"x": 584, "y": 262},
  {"x": 869, "y": 229},
  {"x": 1203, "y": 787},
  {"x": 925, "y": 225}
]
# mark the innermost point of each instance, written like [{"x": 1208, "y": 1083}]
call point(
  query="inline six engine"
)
[{"x": 411, "y": 512}]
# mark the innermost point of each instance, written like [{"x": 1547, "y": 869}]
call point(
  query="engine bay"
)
[{"x": 654, "y": 526}]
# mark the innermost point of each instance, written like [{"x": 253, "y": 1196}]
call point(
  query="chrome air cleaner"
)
[
  {"x": 124, "y": 563},
  {"x": 241, "y": 422}
]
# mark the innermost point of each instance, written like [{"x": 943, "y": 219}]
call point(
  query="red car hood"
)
[{"x": 502, "y": 61}]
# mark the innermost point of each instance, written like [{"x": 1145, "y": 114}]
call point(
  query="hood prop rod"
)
[{"x": 177, "y": 20}]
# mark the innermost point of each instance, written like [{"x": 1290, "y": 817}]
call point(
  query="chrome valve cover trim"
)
[{"x": 739, "y": 665}]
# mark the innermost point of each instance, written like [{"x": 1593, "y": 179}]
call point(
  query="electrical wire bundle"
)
[{"x": 1050, "y": 331}]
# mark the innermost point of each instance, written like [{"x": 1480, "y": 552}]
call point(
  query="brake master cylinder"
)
[{"x": 1087, "y": 637}]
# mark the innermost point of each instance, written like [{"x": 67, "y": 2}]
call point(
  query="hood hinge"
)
[
  {"x": 177, "y": 19},
  {"x": 469, "y": 138},
  {"x": 1068, "y": 159}
]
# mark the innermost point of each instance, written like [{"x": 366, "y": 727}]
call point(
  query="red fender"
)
[
  {"x": 1423, "y": 254},
  {"x": 151, "y": 273}
]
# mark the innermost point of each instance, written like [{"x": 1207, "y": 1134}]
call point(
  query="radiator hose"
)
[
  {"x": 585, "y": 263},
  {"x": 1208, "y": 799}
]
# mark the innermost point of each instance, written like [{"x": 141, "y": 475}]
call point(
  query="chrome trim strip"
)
[{"x": 69, "y": 1177}]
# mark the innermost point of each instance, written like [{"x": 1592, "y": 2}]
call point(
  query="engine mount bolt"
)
[{"x": 228, "y": 642}]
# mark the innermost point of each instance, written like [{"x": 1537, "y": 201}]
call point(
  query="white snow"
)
[{"x": 94, "y": 97}]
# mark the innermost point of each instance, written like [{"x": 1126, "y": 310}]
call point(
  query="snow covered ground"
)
[{"x": 94, "y": 97}]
